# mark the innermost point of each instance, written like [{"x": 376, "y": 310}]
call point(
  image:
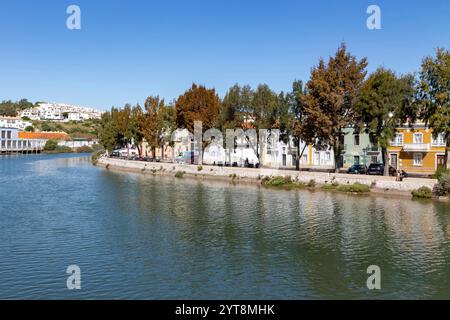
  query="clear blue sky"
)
[{"x": 128, "y": 50}]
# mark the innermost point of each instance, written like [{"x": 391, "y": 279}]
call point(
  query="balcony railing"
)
[{"x": 416, "y": 147}]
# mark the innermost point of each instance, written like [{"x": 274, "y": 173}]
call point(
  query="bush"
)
[
  {"x": 311, "y": 183},
  {"x": 179, "y": 174},
  {"x": 329, "y": 187},
  {"x": 276, "y": 181},
  {"x": 98, "y": 148},
  {"x": 439, "y": 172},
  {"x": 199, "y": 168},
  {"x": 29, "y": 129},
  {"x": 47, "y": 127},
  {"x": 51, "y": 145},
  {"x": 85, "y": 149},
  {"x": 356, "y": 187},
  {"x": 423, "y": 192},
  {"x": 63, "y": 149},
  {"x": 442, "y": 188},
  {"x": 284, "y": 182}
]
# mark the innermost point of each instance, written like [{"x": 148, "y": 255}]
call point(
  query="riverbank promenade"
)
[{"x": 251, "y": 175}]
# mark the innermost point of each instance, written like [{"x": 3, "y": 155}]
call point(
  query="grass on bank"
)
[
  {"x": 179, "y": 174},
  {"x": 350, "y": 188},
  {"x": 281, "y": 182},
  {"x": 422, "y": 193}
]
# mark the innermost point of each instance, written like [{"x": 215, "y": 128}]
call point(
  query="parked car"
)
[
  {"x": 357, "y": 169},
  {"x": 188, "y": 157},
  {"x": 378, "y": 169}
]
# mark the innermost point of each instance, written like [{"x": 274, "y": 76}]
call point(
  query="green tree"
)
[
  {"x": 151, "y": 124},
  {"x": 330, "y": 97},
  {"x": 300, "y": 128},
  {"x": 11, "y": 109},
  {"x": 384, "y": 101},
  {"x": 136, "y": 128},
  {"x": 47, "y": 127},
  {"x": 29, "y": 129},
  {"x": 433, "y": 94},
  {"x": 262, "y": 114},
  {"x": 168, "y": 121},
  {"x": 230, "y": 115},
  {"x": 51, "y": 145},
  {"x": 108, "y": 131}
]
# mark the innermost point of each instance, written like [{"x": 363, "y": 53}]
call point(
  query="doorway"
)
[
  {"x": 393, "y": 160},
  {"x": 440, "y": 161}
]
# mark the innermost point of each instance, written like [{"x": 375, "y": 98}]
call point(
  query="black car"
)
[
  {"x": 378, "y": 169},
  {"x": 357, "y": 169}
]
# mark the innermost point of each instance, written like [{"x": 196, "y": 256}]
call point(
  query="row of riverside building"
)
[
  {"x": 414, "y": 149},
  {"x": 13, "y": 140}
]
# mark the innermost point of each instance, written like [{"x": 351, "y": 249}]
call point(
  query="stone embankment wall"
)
[{"x": 376, "y": 182}]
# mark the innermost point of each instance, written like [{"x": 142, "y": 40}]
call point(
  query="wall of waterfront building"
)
[
  {"x": 359, "y": 149},
  {"x": 415, "y": 150},
  {"x": 11, "y": 142},
  {"x": 77, "y": 143}
]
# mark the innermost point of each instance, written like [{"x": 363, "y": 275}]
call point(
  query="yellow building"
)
[{"x": 414, "y": 150}]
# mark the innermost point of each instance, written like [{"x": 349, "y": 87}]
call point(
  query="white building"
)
[
  {"x": 14, "y": 123},
  {"x": 57, "y": 112},
  {"x": 10, "y": 142}
]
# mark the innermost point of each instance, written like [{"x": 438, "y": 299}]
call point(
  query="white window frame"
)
[
  {"x": 395, "y": 141},
  {"x": 415, "y": 163},
  {"x": 415, "y": 134},
  {"x": 439, "y": 141}
]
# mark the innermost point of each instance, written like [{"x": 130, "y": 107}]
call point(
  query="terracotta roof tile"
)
[{"x": 44, "y": 135}]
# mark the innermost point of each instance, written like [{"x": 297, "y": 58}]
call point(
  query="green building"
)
[{"x": 358, "y": 149}]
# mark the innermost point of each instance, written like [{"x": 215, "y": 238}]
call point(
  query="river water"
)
[{"x": 152, "y": 237}]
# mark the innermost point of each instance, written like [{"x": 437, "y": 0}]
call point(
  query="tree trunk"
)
[
  {"x": 336, "y": 154},
  {"x": 139, "y": 150},
  {"x": 385, "y": 161},
  {"x": 299, "y": 156},
  {"x": 446, "y": 154}
]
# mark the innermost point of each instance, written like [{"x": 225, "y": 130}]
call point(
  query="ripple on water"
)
[{"x": 146, "y": 237}]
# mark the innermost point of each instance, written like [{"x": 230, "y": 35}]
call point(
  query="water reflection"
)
[{"x": 139, "y": 236}]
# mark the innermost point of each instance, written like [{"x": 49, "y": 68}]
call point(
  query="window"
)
[
  {"x": 8, "y": 134},
  {"x": 417, "y": 159},
  {"x": 356, "y": 160},
  {"x": 439, "y": 140},
  {"x": 373, "y": 159},
  {"x": 418, "y": 138},
  {"x": 398, "y": 139},
  {"x": 304, "y": 159},
  {"x": 3, "y": 134},
  {"x": 356, "y": 139},
  {"x": 327, "y": 156}
]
